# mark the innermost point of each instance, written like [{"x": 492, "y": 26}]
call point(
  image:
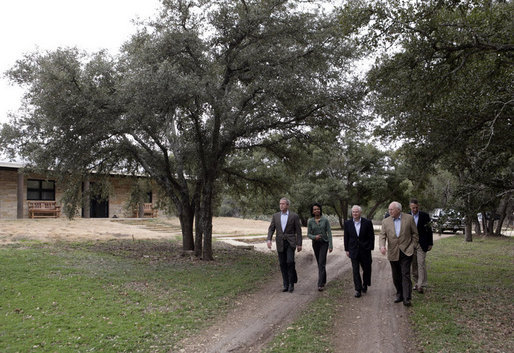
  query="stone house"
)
[{"x": 17, "y": 190}]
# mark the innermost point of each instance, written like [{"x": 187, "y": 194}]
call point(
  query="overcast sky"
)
[{"x": 29, "y": 25}]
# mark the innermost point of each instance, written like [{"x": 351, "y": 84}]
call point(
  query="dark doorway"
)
[{"x": 98, "y": 207}]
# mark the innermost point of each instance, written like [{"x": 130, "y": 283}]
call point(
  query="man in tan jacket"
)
[{"x": 401, "y": 234}]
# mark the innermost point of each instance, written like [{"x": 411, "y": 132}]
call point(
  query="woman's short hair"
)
[{"x": 320, "y": 209}]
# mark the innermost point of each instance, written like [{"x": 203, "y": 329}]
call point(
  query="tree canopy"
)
[
  {"x": 202, "y": 81},
  {"x": 446, "y": 91}
]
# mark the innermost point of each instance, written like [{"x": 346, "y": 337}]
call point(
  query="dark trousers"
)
[
  {"x": 363, "y": 260},
  {"x": 286, "y": 261},
  {"x": 401, "y": 276},
  {"x": 320, "y": 248}
]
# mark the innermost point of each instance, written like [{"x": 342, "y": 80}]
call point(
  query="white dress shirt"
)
[{"x": 283, "y": 220}]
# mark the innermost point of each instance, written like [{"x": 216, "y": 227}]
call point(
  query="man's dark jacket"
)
[
  {"x": 364, "y": 242},
  {"x": 426, "y": 237}
]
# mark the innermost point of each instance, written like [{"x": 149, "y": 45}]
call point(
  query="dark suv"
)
[{"x": 447, "y": 219}]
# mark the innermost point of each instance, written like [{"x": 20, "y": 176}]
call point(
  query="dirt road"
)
[
  {"x": 372, "y": 323},
  {"x": 257, "y": 317}
]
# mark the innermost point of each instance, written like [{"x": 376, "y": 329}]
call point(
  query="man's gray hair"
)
[
  {"x": 286, "y": 200},
  {"x": 357, "y": 206},
  {"x": 397, "y": 205}
]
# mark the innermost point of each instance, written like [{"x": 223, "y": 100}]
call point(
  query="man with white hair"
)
[
  {"x": 401, "y": 234},
  {"x": 359, "y": 240}
]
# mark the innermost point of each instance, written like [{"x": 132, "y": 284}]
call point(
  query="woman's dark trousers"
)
[{"x": 320, "y": 250}]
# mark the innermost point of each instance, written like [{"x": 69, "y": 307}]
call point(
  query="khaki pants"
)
[{"x": 419, "y": 268}]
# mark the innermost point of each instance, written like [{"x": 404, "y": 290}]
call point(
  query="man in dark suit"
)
[
  {"x": 401, "y": 234},
  {"x": 359, "y": 240},
  {"x": 426, "y": 240},
  {"x": 289, "y": 237}
]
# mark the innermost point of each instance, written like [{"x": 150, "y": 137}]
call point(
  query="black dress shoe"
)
[
  {"x": 285, "y": 289},
  {"x": 357, "y": 294},
  {"x": 364, "y": 288},
  {"x": 291, "y": 288},
  {"x": 407, "y": 302},
  {"x": 398, "y": 299}
]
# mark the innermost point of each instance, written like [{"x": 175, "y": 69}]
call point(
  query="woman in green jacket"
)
[{"x": 318, "y": 229}]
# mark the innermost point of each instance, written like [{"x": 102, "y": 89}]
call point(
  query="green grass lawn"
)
[
  {"x": 142, "y": 296},
  {"x": 469, "y": 306},
  {"x": 116, "y": 296}
]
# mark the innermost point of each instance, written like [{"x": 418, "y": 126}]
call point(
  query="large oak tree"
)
[{"x": 202, "y": 80}]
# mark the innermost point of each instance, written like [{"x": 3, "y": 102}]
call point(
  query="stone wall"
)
[
  {"x": 8, "y": 196},
  {"x": 118, "y": 199}
]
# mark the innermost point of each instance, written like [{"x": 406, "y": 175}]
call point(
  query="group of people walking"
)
[{"x": 404, "y": 237}]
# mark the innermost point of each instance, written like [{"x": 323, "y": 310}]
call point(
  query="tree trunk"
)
[
  {"x": 198, "y": 234},
  {"x": 502, "y": 211},
  {"x": 478, "y": 229},
  {"x": 344, "y": 209},
  {"x": 468, "y": 229},
  {"x": 341, "y": 221},
  {"x": 206, "y": 219},
  {"x": 373, "y": 210},
  {"x": 303, "y": 220},
  {"x": 490, "y": 224},
  {"x": 178, "y": 193},
  {"x": 499, "y": 226},
  {"x": 207, "y": 239},
  {"x": 333, "y": 205},
  {"x": 340, "y": 215},
  {"x": 207, "y": 228},
  {"x": 186, "y": 217}
]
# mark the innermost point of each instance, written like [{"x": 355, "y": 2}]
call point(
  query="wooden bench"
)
[
  {"x": 148, "y": 211},
  {"x": 43, "y": 209}
]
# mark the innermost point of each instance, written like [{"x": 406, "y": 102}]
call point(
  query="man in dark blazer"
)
[
  {"x": 289, "y": 237},
  {"x": 426, "y": 240},
  {"x": 359, "y": 240},
  {"x": 401, "y": 234}
]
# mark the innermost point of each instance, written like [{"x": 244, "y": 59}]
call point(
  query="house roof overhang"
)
[{"x": 11, "y": 165}]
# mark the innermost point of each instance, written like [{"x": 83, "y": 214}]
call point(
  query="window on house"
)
[
  {"x": 40, "y": 190},
  {"x": 148, "y": 197}
]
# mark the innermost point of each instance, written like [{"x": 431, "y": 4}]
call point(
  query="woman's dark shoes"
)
[
  {"x": 398, "y": 299},
  {"x": 291, "y": 288},
  {"x": 364, "y": 288},
  {"x": 357, "y": 294}
]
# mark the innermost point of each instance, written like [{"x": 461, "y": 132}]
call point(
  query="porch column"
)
[
  {"x": 19, "y": 192},
  {"x": 86, "y": 201}
]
